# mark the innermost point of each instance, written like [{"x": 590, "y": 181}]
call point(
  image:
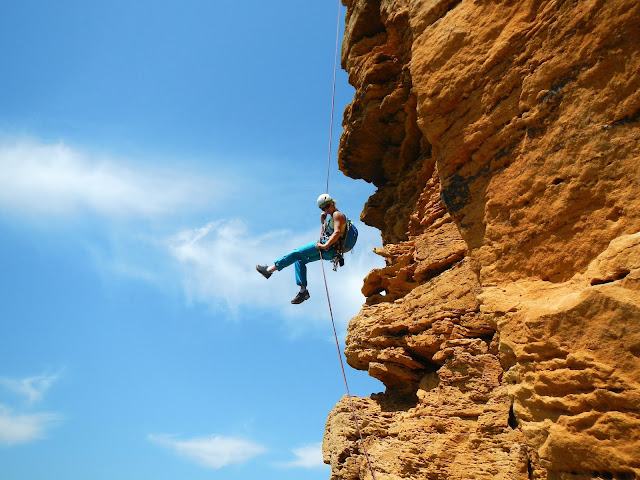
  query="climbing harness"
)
[
  {"x": 346, "y": 243},
  {"x": 339, "y": 259}
]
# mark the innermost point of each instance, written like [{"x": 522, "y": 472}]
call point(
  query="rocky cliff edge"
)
[{"x": 502, "y": 137}]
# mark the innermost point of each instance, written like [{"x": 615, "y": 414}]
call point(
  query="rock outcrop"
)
[{"x": 503, "y": 139}]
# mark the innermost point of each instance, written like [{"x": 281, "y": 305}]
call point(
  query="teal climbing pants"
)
[{"x": 301, "y": 256}]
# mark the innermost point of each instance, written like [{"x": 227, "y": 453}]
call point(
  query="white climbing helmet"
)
[{"x": 324, "y": 199}]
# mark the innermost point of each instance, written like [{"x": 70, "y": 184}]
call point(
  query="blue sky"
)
[{"x": 151, "y": 153}]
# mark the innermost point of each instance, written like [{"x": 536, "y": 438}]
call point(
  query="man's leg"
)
[
  {"x": 300, "y": 256},
  {"x": 307, "y": 253},
  {"x": 301, "y": 265},
  {"x": 301, "y": 280},
  {"x": 301, "y": 274}
]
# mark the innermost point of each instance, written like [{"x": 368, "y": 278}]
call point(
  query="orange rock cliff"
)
[{"x": 503, "y": 139}]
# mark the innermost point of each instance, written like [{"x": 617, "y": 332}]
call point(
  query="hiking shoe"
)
[
  {"x": 301, "y": 297},
  {"x": 263, "y": 271}
]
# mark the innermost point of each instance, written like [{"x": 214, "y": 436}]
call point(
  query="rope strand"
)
[
  {"x": 344, "y": 375},
  {"x": 333, "y": 95},
  {"x": 326, "y": 287}
]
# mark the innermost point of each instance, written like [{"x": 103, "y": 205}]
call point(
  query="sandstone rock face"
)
[{"x": 503, "y": 139}]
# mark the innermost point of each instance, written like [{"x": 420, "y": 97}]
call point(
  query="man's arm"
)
[{"x": 339, "y": 222}]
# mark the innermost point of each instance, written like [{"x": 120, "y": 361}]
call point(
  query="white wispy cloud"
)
[
  {"x": 55, "y": 179},
  {"x": 33, "y": 388},
  {"x": 217, "y": 263},
  {"x": 212, "y": 452},
  {"x": 16, "y": 428},
  {"x": 23, "y": 427},
  {"x": 307, "y": 456}
]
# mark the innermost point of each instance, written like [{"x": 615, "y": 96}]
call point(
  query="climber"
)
[{"x": 334, "y": 226}]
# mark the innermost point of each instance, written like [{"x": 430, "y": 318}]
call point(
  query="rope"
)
[
  {"x": 326, "y": 287},
  {"x": 333, "y": 95},
  {"x": 344, "y": 375}
]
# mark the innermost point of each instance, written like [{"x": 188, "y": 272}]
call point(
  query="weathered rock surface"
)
[{"x": 502, "y": 137}]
